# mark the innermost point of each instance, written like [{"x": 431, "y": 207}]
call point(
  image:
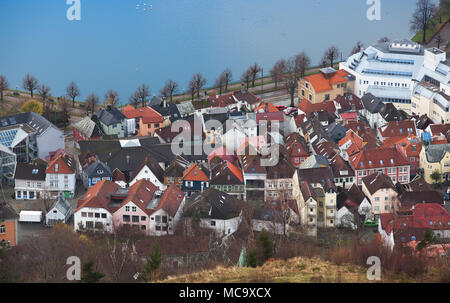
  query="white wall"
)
[
  {"x": 147, "y": 174},
  {"x": 78, "y": 218}
]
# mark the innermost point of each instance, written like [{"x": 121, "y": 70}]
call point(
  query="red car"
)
[{"x": 281, "y": 107}]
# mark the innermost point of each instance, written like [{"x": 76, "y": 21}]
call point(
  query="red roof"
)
[
  {"x": 63, "y": 164},
  {"x": 171, "y": 200},
  {"x": 266, "y": 108},
  {"x": 307, "y": 107},
  {"x": 278, "y": 116},
  {"x": 320, "y": 83},
  {"x": 349, "y": 116},
  {"x": 222, "y": 101},
  {"x": 398, "y": 128},
  {"x": 349, "y": 102},
  {"x": 194, "y": 173},
  {"x": 378, "y": 158},
  {"x": 96, "y": 196},
  {"x": 411, "y": 144},
  {"x": 236, "y": 171},
  {"x": 147, "y": 114}
]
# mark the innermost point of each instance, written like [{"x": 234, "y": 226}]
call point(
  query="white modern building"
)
[{"x": 386, "y": 70}]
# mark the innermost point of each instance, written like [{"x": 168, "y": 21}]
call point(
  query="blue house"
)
[
  {"x": 195, "y": 179},
  {"x": 96, "y": 172}
]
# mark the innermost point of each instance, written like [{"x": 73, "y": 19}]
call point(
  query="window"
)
[
  {"x": 164, "y": 219},
  {"x": 134, "y": 208},
  {"x": 103, "y": 216},
  {"x": 83, "y": 214},
  {"x": 126, "y": 218},
  {"x": 310, "y": 97},
  {"x": 143, "y": 218},
  {"x": 89, "y": 224},
  {"x": 158, "y": 219},
  {"x": 98, "y": 225},
  {"x": 213, "y": 223},
  {"x": 90, "y": 215},
  {"x": 2, "y": 229},
  {"x": 127, "y": 208},
  {"x": 97, "y": 215},
  {"x": 135, "y": 219},
  {"x": 143, "y": 227}
]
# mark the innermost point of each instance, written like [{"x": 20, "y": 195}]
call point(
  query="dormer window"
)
[{"x": 381, "y": 162}]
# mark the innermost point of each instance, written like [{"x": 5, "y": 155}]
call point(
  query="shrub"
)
[{"x": 32, "y": 106}]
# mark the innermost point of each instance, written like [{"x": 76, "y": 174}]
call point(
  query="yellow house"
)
[
  {"x": 326, "y": 85},
  {"x": 435, "y": 158}
]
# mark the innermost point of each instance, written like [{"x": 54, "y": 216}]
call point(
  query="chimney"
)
[
  {"x": 164, "y": 103},
  {"x": 108, "y": 107},
  {"x": 128, "y": 159},
  {"x": 243, "y": 88}
]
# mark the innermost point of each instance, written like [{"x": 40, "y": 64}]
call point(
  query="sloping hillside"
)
[{"x": 296, "y": 270}]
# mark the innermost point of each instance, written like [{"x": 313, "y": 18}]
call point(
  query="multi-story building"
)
[
  {"x": 390, "y": 161},
  {"x": 60, "y": 176},
  {"x": 428, "y": 100},
  {"x": 8, "y": 226},
  {"x": 228, "y": 178},
  {"x": 326, "y": 85},
  {"x": 112, "y": 122},
  {"x": 28, "y": 136},
  {"x": 436, "y": 69},
  {"x": 381, "y": 192},
  {"x": 147, "y": 120},
  {"x": 29, "y": 180},
  {"x": 435, "y": 157},
  {"x": 386, "y": 70}
]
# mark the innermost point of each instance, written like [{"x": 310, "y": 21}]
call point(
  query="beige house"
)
[
  {"x": 316, "y": 200},
  {"x": 381, "y": 192},
  {"x": 326, "y": 85},
  {"x": 435, "y": 158},
  {"x": 429, "y": 100}
]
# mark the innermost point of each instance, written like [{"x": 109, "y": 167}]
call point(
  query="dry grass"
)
[{"x": 295, "y": 270}]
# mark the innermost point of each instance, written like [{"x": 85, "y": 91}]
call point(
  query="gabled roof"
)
[
  {"x": 98, "y": 169},
  {"x": 118, "y": 176},
  {"x": 322, "y": 83},
  {"x": 37, "y": 122},
  {"x": 170, "y": 109},
  {"x": 349, "y": 102},
  {"x": 196, "y": 172},
  {"x": 341, "y": 168},
  {"x": 63, "y": 164},
  {"x": 88, "y": 128},
  {"x": 377, "y": 181},
  {"x": 315, "y": 161},
  {"x": 186, "y": 108},
  {"x": 435, "y": 153},
  {"x": 307, "y": 107},
  {"x": 147, "y": 114},
  {"x": 327, "y": 149},
  {"x": 30, "y": 171},
  {"x": 62, "y": 205},
  {"x": 371, "y": 103},
  {"x": 96, "y": 196},
  {"x": 176, "y": 167},
  {"x": 153, "y": 165},
  {"x": 378, "y": 158},
  {"x": 398, "y": 128},
  {"x": 266, "y": 108},
  {"x": 223, "y": 100},
  {"x": 225, "y": 174},
  {"x": 296, "y": 146},
  {"x": 412, "y": 145},
  {"x": 246, "y": 96},
  {"x": 110, "y": 116},
  {"x": 320, "y": 175},
  {"x": 171, "y": 200},
  {"x": 390, "y": 113},
  {"x": 214, "y": 204}
]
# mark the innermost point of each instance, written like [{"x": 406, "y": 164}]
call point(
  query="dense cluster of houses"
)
[{"x": 358, "y": 147}]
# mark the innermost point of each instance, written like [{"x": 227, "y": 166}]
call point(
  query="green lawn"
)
[{"x": 432, "y": 29}]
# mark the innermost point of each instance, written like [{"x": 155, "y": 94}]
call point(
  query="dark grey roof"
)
[
  {"x": 371, "y": 103},
  {"x": 390, "y": 113},
  {"x": 93, "y": 170},
  {"x": 170, "y": 110},
  {"x": 110, "y": 116},
  {"x": 214, "y": 204},
  {"x": 32, "y": 119},
  {"x": 436, "y": 152},
  {"x": 30, "y": 171},
  {"x": 336, "y": 131}
]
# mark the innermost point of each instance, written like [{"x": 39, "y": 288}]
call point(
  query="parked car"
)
[{"x": 281, "y": 107}]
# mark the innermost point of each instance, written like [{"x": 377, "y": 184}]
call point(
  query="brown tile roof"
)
[
  {"x": 378, "y": 158},
  {"x": 376, "y": 181}
]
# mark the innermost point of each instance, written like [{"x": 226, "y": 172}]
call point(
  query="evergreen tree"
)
[{"x": 89, "y": 275}]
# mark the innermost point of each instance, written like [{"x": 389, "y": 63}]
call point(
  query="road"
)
[{"x": 280, "y": 97}]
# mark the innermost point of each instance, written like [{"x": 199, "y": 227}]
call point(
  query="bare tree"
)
[
  {"x": 254, "y": 70},
  {"x": 383, "y": 40},
  {"x": 111, "y": 98},
  {"x": 192, "y": 89},
  {"x": 44, "y": 92},
  {"x": 291, "y": 79},
  {"x": 64, "y": 103},
  {"x": 246, "y": 77},
  {"x": 227, "y": 76},
  {"x": 134, "y": 99},
  {"x": 220, "y": 83},
  {"x": 91, "y": 102},
  {"x": 30, "y": 84},
  {"x": 72, "y": 91},
  {"x": 3, "y": 86},
  {"x": 277, "y": 71},
  {"x": 423, "y": 17},
  {"x": 439, "y": 40},
  {"x": 143, "y": 92},
  {"x": 302, "y": 63},
  {"x": 330, "y": 56},
  {"x": 357, "y": 48},
  {"x": 169, "y": 89},
  {"x": 199, "y": 82}
]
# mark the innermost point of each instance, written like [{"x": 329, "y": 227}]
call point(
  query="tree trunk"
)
[
  {"x": 424, "y": 36},
  {"x": 292, "y": 99}
]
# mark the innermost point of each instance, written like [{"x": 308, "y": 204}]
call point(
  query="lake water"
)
[{"x": 115, "y": 45}]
